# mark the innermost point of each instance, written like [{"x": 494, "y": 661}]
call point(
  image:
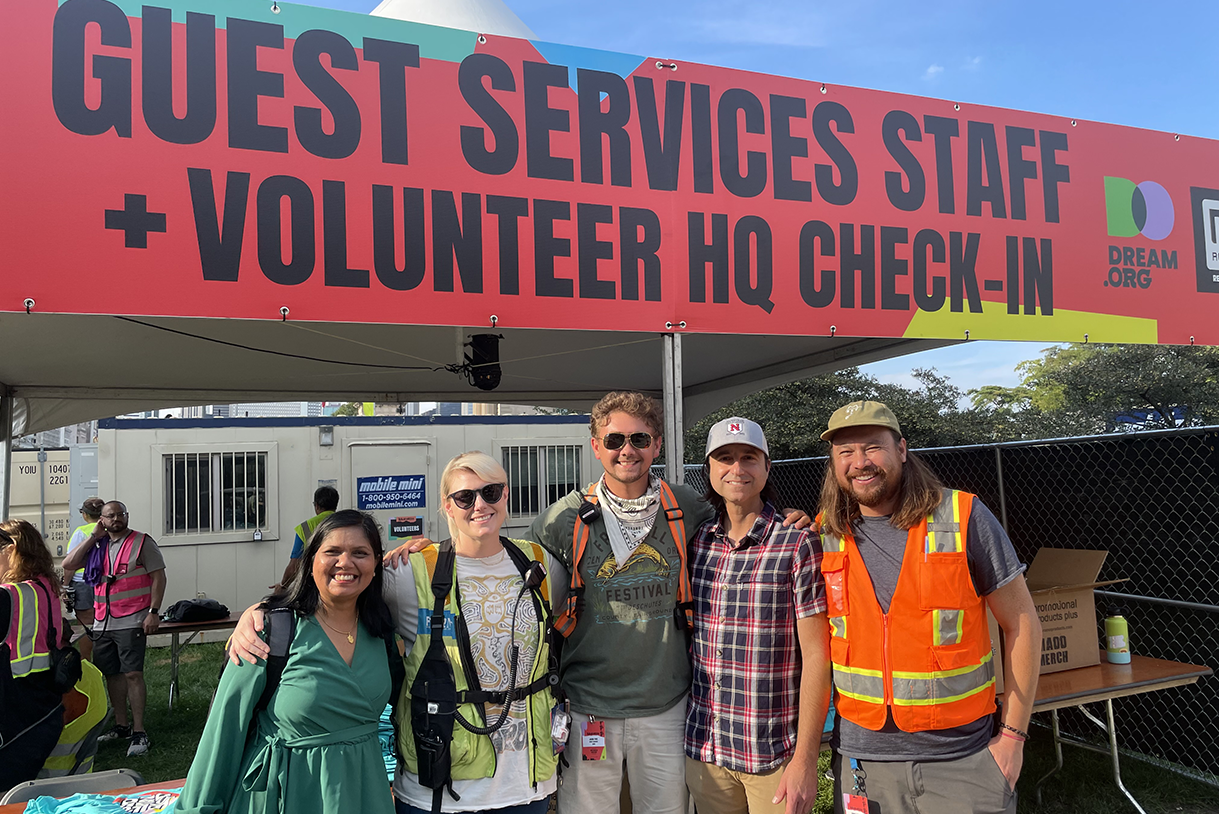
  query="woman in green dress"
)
[{"x": 314, "y": 748}]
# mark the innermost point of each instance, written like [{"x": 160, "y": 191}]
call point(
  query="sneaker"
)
[
  {"x": 139, "y": 744},
  {"x": 115, "y": 733}
]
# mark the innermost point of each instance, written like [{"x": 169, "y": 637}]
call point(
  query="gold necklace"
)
[{"x": 351, "y": 638}]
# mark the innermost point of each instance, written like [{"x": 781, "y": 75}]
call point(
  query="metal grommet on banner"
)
[
  {"x": 967, "y": 333},
  {"x": 682, "y": 324},
  {"x": 822, "y": 89},
  {"x": 956, "y": 106},
  {"x": 1192, "y": 340},
  {"x": 283, "y": 313},
  {"x": 833, "y": 328},
  {"x": 482, "y": 40},
  {"x": 673, "y": 66},
  {"x": 1086, "y": 339},
  {"x": 1177, "y": 137},
  {"x": 1073, "y": 122},
  {"x": 29, "y": 303},
  {"x": 493, "y": 319},
  {"x": 275, "y": 7},
  {"x": 669, "y": 326}
]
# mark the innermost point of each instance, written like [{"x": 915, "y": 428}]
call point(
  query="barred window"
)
[
  {"x": 215, "y": 492},
  {"x": 539, "y": 475}
]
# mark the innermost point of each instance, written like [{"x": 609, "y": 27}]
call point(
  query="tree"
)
[
  {"x": 1093, "y": 389},
  {"x": 794, "y": 415},
  {"x": 350, "y": 408},
  {"x": 1070, "y": 391}
]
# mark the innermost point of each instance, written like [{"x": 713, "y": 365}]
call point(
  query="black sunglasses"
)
[
  {"x": 491, "y": 493},
  {"x": 615, "y": 440}
]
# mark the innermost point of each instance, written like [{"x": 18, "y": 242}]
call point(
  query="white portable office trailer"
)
[{"x": 222, "y": 497}]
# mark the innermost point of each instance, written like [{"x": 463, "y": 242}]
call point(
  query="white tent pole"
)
[
  {"x": 671, "y": 357},
  {"x": 6, "y": 450}
]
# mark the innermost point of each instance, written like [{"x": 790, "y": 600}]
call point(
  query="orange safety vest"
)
[
  {"x": 131, "y": 589},
  {"x": 684, "y": 612},
  {"x": 928, "y": 661}
]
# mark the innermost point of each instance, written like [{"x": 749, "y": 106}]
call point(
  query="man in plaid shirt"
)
[{"x": 761, "y": 662}]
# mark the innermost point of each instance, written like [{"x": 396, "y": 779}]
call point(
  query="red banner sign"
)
[{"x": 218, "y": 159}]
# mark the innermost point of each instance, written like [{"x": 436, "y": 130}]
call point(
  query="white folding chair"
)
[{"x": 92, "y": 783}]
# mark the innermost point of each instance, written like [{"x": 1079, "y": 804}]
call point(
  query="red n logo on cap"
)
[{"x": 734, "y": 427}]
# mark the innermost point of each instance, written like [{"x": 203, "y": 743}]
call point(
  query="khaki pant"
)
[
  {"x": 648, "y": 751},
  {"x": 717, "y": 790},
  {"x": 969, "y": 785}
]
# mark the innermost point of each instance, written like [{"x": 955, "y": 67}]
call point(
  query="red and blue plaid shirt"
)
[{"x": 746, "y": 656}]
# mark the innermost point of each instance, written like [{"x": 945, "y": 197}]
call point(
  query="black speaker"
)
[{"x": 484, "y": 361}]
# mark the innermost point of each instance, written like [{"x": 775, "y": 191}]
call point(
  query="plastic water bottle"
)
[{"x": 1118, "y": 643}]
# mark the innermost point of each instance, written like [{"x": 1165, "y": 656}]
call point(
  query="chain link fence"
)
[{"x": 1150, "y": 499}]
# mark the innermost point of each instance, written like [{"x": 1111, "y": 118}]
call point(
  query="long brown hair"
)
[
  {"x": 29, "y": 556},
  {"x": 919, "y": 493}
]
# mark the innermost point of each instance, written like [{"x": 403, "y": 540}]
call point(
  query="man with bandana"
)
[{"x": 625, "y": 664}]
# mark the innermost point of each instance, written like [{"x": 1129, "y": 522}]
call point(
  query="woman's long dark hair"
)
[{"x": 302, "y": 594}]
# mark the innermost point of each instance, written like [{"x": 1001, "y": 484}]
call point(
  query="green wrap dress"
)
[{"x": 315, "y": 750}]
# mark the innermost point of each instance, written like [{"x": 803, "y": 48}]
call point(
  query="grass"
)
[
  {"x": 174, "y": 735},
  {"x": 1083, "y": 786}
]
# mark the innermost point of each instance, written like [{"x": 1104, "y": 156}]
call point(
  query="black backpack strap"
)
[
  {"x": 434, "y": 693},
  {"x": 280, "y": 624}
]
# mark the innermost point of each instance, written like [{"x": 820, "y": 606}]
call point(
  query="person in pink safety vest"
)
[{"x": 126, "y": 604}]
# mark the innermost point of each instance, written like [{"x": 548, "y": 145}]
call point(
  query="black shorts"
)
[{"x": 120, "y": 651}]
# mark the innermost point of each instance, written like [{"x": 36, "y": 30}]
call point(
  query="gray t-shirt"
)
[
  {"x": 150, "y": 557},
  {"x": 993, "y": 564}
]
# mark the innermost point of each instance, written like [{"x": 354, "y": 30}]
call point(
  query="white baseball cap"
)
[{"x": 736, "y": 430}]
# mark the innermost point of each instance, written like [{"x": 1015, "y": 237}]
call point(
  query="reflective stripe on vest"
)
[
  {"x": 943, "y": 686},
  {"x": 566, "y": 618},
  {"x": 306, "y": 529},
  {"x": 131, "y": 590},
  {"x": 80, "y": 734},
  {"x": 928, "y": 660},
  {"x": 27, "y": 635}
]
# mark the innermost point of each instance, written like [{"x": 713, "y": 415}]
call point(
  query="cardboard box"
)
[{"x": 1061, "y": 582}]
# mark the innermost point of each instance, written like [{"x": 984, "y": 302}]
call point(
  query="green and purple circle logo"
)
[{"x": 1138, "y": 209}]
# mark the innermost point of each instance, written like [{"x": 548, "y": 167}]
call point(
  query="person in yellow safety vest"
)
[
  {"x": 325, "y": 502},
  {"x": 911, "y": 570},
  {"x": 74, "y": 582},
  {"x": 85, "y": 709},
  {"x": 30, "y": 713}
]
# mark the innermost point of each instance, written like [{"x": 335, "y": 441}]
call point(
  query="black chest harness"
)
[{"x": 434, "y": 695}]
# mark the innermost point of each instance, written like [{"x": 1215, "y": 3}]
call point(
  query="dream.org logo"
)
[{"x": 1137, "y": 209}]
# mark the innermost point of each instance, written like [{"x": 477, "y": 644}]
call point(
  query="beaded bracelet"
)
[{"x": 1024, "y": 735}]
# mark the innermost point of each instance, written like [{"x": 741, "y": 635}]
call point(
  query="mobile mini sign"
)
[
  {"x": 218, "y": 159},
  {"x": 390, "y": 492}
]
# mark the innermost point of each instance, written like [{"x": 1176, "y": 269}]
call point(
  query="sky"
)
[{"x": 1140, "y": 64}]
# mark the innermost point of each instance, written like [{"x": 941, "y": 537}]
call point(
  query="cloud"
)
[
  {"x": 973, "y": 63},
  {"x": 933, "y": 72},
  {"x": 775, "y": 26}
]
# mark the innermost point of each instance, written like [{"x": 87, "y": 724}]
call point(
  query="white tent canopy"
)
[{"x": 60, "y": 369}]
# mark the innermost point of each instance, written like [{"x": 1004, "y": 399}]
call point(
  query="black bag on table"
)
[{"x": 195, "y": 610}]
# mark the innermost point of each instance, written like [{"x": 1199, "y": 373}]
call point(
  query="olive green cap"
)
[{"x": 861, "y": 414}]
